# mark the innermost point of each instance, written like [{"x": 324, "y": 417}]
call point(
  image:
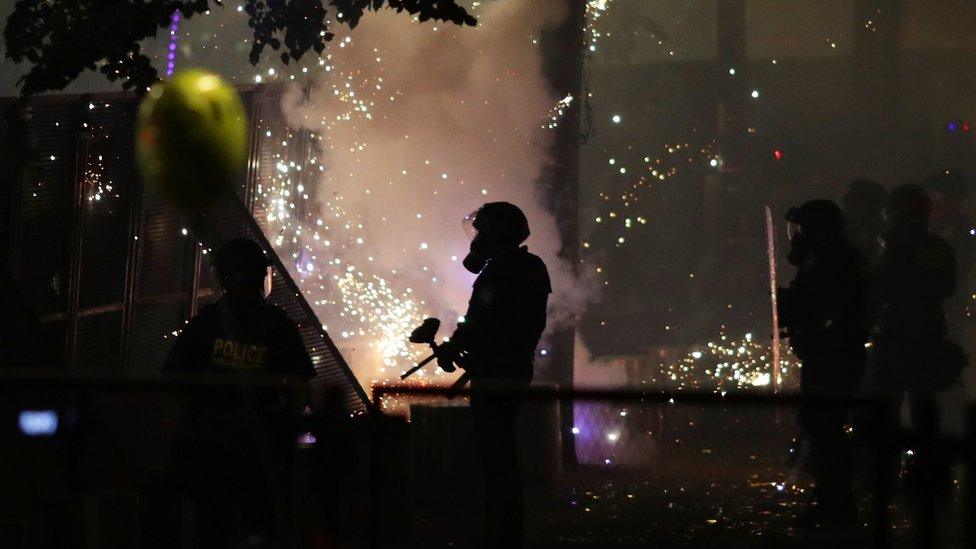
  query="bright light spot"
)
[
  {"x": 38, "y": 423},
  {"x": 616, "y": 118},
  {"x": 755, "y": 94}
]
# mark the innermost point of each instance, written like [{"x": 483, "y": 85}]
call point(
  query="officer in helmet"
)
[
  {"x": 241, "y": 332},
  {"x": 230, "y": 458},
  {"x": 823, "y": 314},
  {"x": 916, "y": 275},
  {"x": 911, "y": 356},
  {"x": 496, "y": 344}
]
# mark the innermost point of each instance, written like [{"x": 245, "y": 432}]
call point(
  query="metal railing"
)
[
  {"x": 666, "y": 468},
  {"x": 887, "y": 441}
]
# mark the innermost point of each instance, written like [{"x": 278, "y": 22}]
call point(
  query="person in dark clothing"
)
[
  {"x": 241, "y": 333},
  {"x": 229, "y": 458},
  {"x": 911, "y": 355},
  {"x": 951, "y": 221},
  {"x": 917, "y": 273},
  {"x": 863, "y": 207},
  {"x": 496, "y": 344},
  {"x": 823, "y": 314}
]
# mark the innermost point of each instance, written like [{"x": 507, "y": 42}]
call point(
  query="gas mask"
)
[
  {"x": 800, "y": 248},
  {"x": 478, "y": 255}
]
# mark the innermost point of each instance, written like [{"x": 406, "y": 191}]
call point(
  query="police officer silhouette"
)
[
  {"x": 823, "y": 314},
  {"x": 230, "y": 459},
  {"x": 496, "y": 343}
]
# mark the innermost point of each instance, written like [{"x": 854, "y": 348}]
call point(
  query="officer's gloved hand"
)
[{"x": 447, "y": 353}]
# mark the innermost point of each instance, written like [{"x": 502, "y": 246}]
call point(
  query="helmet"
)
[
  {"x": 502, "y": 222},
  {"x": 819, "y": 216},
  {"x": 241, "y": 263},
  {"x": 908, "y": 203}
]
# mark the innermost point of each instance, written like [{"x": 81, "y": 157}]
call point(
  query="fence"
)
[
  {"x": 687, "y": 469},
  {"x": 684, "y": 469}
]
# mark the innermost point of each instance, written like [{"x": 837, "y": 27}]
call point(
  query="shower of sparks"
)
[
  {"x": 370, "y": 309},
  {"x": 728, "y": 364},
  {"x": 94, "y": 185}
]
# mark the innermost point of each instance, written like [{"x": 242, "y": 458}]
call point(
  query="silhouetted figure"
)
[
  {"x": 497, "y": 342},
  {"x": 950, "y": 220},
  {"x": 911, "y": 355},
  {"x": 823, "y": 314},
  {"x": 228, "y": 457},
  {"x": 863, "y": 206}
]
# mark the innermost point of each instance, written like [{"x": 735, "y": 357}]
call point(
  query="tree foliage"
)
[{"x": 62, "y": 38}]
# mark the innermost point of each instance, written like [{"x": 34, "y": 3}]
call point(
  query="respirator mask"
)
[{"x": 478, "y": 254}]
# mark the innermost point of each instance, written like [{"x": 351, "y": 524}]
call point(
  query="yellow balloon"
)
[{"x": 191, "y": 139}]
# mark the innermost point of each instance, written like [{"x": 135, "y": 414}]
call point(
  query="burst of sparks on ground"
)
[{"x": 726, "y": 364}]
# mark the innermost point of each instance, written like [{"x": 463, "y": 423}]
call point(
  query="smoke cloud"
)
[{"x": 419, "y": 125}]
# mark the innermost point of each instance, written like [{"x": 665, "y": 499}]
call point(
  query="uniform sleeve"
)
[
  {"x": 185, "y": 354},
  {"x": 294, "y": 358}
]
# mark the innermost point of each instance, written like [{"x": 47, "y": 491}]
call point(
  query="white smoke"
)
[{"x": 420, "y": 125}]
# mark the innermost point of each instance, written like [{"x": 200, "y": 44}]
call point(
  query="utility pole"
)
[{"x": 563, "y": 51}]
